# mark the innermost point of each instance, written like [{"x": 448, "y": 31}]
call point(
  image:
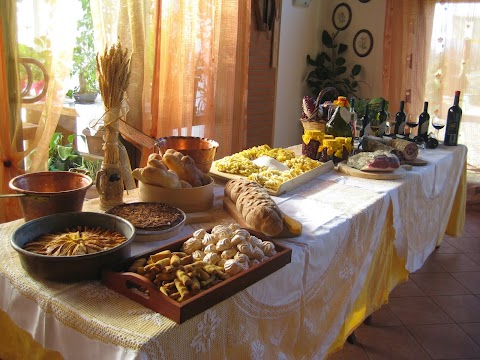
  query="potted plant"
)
[
  {"x": 84, "y": 63},
  {"x": 331, "y": 69},
  {"x": 66, "y": 158}
]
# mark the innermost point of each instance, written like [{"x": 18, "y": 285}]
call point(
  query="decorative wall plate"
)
[
  {"x": 342, "y": 16},
  {"x": 363, "y": 43}
]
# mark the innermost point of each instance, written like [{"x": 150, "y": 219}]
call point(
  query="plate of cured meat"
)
[{"x": 379, "y": 165}]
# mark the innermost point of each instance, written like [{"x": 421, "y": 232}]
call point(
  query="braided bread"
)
[{"x": 255, "y": 205}]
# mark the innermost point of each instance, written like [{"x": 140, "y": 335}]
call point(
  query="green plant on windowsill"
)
[
  {"x": 66, "y": 157},
  {"x": 331, "y": 69},
  {"x": 84, "y": 63}
]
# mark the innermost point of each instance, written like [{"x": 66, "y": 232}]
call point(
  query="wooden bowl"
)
[
  {"x": 189, "y": 200},
  {"x": 71, "y": 268},
  {"x": 202, "y": 150}
]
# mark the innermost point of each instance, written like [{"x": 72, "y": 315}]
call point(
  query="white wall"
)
[{"x": 300, "y": 34}]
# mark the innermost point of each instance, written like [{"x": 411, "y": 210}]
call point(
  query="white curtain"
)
[{"x": 453, "y": 65}]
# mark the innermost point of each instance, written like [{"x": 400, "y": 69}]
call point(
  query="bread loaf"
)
[
  {"x": 173, "y": 171},
  {"x": 255, "y": 205},
  {"x": 157, "y": 176},
  {"x": 185, "y": 168}
]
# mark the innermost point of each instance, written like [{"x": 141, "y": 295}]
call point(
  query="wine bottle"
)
[
  {"x": 454, "y": 116},
  {"x": 339, "y": 124},
  {"x": 381, "y": 122},
  {"x": 424, "y": 122},
  {"x": 400, "y": 119},
  {"x": 353, "y": 118},
  {"x": 365, "y": 120}
]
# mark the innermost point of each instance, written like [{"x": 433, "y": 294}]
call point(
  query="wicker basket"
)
[
  {"x": 314, "y": 125},
  {"x": 316, "y": 121}
]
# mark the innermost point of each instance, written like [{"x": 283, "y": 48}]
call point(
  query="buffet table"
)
[{"x": 360, "y": 239}]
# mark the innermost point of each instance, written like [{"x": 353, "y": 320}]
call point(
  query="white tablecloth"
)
[{"x": 300, "y": 311}]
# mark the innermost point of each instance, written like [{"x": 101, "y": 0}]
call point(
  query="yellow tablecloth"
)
[{"x": 360, "y": 239}]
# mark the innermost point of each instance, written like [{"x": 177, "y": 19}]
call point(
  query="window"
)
[{"x": 453, "y": 65}]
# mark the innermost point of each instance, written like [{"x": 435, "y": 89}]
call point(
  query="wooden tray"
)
[
  {"x": 143, "y": 291},
  {"x": 392, "y": 175},
  {"x": 416, "y": 162},
  {"x": 287, "y": 185},
  {"x": 230, "y": 207}
]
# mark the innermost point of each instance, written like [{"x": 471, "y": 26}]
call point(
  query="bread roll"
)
[
  {"x": 255, "y": 205},
  {"x": 157, "y": 176},
  {"x": 184, "y": 169}
]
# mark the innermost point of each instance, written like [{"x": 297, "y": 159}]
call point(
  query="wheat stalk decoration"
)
[{"x": 113, "y": 77}]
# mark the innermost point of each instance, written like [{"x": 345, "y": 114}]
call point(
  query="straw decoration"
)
[
  {"x": 113, "y": 78},
  {"x": 114, "y": 74}
]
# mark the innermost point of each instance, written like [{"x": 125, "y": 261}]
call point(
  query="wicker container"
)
[
  {"x": 314, "y": 125},
  {"x": 321, "y": 115}
]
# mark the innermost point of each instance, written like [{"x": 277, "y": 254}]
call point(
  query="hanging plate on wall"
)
[
  {"x": 342, "y": 16},
  {"x": 363, "y": 43}
]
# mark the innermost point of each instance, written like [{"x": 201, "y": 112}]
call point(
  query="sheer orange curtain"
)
[
  {"x": 16, "y": 155},
  {"x": 200, "y": 71},
  {"x": 408, "y": 28},
  {"x": 10, "y": 157}
]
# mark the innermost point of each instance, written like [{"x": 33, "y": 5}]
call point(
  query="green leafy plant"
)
[
  {"x": 66, "y": 157},
  {"x": 63, "y": 157},
  {"x": 84, "y": 64},
  {"x": 374, "y": 106},
  {"x": 331, "y": 69}
]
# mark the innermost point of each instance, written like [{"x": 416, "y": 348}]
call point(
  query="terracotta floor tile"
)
[
  {"x": 455, "y": 262},
  {"x": 430, "y": 266},
  {"x": 474, "y": 256},
  {"x": 466, "y": 244},
  {"x": 446, "y": 248},
  {"x": 439, "y": 284},
  {"x": 407, "y": 289},
  {"x": 418, "y": 310},
  {"x": 473, "y": 330},
  {"x": 445, "y": 341},
  {"x": 384, "y": 317},
  {"x": 472, "y": 224},
  {"x": 461, "y": 308},
  {"x": 471, "y": 280},
  {"x": 390, "y": 342},
  {"x": 469, "y": 231},
  {"x": 349, "y": 352}
]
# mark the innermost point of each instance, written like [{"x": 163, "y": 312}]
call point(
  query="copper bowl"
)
[
  {"x": 202, "y": 150},
  {"x": 50, "y": 192},
  {"x": 75, "y": 267}
]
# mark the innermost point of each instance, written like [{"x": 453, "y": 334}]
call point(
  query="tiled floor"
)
[{"x": 436, "y": 314}]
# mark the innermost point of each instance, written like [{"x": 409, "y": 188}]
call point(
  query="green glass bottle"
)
[{"x": 339, "y": 124}]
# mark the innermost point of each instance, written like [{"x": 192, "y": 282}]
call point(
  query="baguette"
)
[{"x": 255, "y": 205}]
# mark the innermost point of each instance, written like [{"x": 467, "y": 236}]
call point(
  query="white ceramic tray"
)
[{"x": 286, "y": 186}]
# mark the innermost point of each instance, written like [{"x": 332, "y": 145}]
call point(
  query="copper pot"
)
[
  {"x": 202, "y": 150},
  {"x": 50, "y": 192}
]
